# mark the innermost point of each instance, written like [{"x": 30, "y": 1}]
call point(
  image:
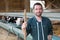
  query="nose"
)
[{"x": 39, "y": 10}]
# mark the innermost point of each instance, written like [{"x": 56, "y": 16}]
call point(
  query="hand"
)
[
  {"x": 49, "y": 37},
  {"x": 24, "y": 27}
]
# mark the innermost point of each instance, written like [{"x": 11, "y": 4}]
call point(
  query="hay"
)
[{"x": 5, "y": 35}]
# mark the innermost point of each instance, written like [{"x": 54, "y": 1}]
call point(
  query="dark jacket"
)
[{"x": 33, "y": 29}]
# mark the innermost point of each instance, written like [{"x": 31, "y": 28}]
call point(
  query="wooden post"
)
[
  {"x": 25, "y": 16},
  {"x": 25, "y": 20}
]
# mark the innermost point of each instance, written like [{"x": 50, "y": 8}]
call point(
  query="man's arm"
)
[
  {"x": 50, "y": 30},
  {"x": 24, "y": 28}
]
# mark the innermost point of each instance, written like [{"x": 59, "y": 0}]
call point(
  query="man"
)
[{"x": 39, "y": 27}]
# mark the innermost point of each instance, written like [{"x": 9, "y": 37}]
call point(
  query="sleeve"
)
[
  {"x": 50, "y": 28},
  {"x": 28, "y": 28}
]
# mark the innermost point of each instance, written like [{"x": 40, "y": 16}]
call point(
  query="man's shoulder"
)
[
  {"x": 46, "y": 18},
  {"x": 30, "y": 19}
]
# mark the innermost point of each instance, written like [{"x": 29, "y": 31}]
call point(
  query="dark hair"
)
[{"x": 37, "y": 4}]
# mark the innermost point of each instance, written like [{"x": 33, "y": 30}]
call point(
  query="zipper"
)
[
  {"x": 38, "y": 30},
  {"x": 42, "y": 30}
]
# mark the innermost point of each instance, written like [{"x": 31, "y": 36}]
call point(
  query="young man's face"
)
[{"x": 38, "y": 10}]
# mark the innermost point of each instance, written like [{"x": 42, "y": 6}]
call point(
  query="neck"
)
[{"x": 39, "y": 18}]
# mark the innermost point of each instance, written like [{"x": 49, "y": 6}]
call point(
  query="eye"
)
[{"x": 36, "y": 9}]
